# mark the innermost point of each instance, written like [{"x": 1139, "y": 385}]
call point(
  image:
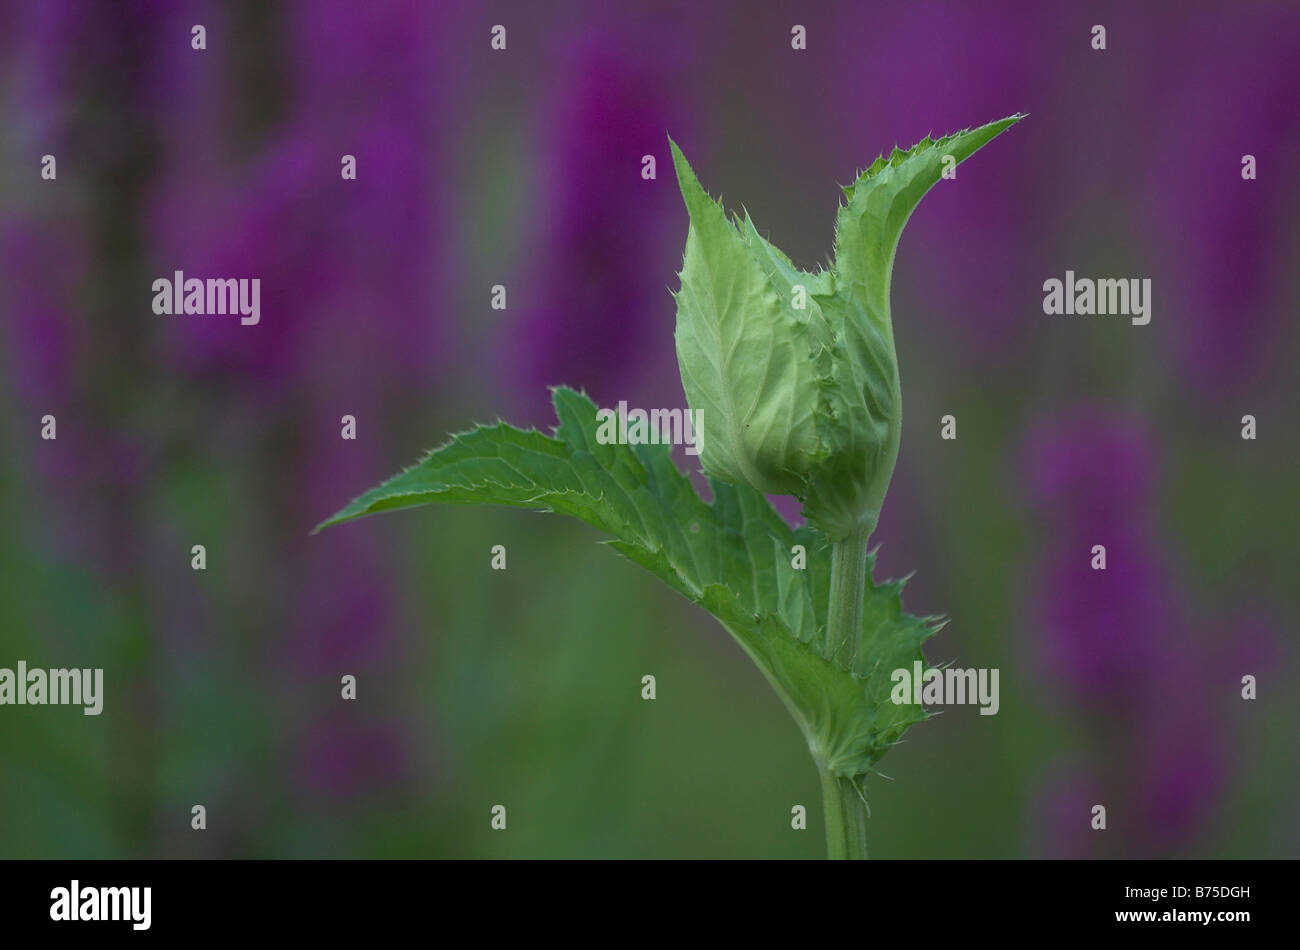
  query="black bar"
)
[{"x": 538, "y": 899}]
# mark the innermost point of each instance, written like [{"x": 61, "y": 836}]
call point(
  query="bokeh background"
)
[{"x": 479, "y": 167}]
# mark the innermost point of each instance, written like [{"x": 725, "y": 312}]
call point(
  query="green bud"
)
[{"x": 794, "y": 373}]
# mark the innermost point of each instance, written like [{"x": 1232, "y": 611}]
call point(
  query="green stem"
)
[
  {"x": 846, "y": 813},
  {"x": 846, "y": 819},
  {"x": 848, "y": 590}
]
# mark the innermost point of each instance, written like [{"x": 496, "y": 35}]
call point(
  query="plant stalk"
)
[
  {"x": 848, "y": 591},
  {"x": 846, "y": 812},
  {"x": 846, "y": 819}
]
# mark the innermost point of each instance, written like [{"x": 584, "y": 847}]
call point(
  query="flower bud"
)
[{"x": 795, "y": 372}]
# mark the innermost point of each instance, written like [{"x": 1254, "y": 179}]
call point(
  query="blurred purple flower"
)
[
  {"x": 1179, "y": 767},
  {"x": 944, "y": 68},
  {"x": 1090, "y": 475},
  {"x": 39, "y": 308},
  {"x": 69, "y": 66},
  {"x": 1115, "y": 642},
  {"x": 600, "y": 315},
  {"x": 1228, "y": 243},
  {"x": 224, "y": 183},
  {"x": 344, "y": 265},
  {"x": 350, "y": 762}
]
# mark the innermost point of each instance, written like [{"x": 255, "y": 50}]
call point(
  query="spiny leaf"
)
[
  {"x": 878, "y": 204},
  {"x": 744, "y": 352},
  {"x": 732, "y": 557}
]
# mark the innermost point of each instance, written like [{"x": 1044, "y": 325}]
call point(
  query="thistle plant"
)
[{"x": 796, "y": 377}]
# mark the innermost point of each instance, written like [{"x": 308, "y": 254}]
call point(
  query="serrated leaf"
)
[
  {"x": 731, "y": 557},
  {"x": 744, "y": 352},
  {"x": 878, "y": 205}
]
